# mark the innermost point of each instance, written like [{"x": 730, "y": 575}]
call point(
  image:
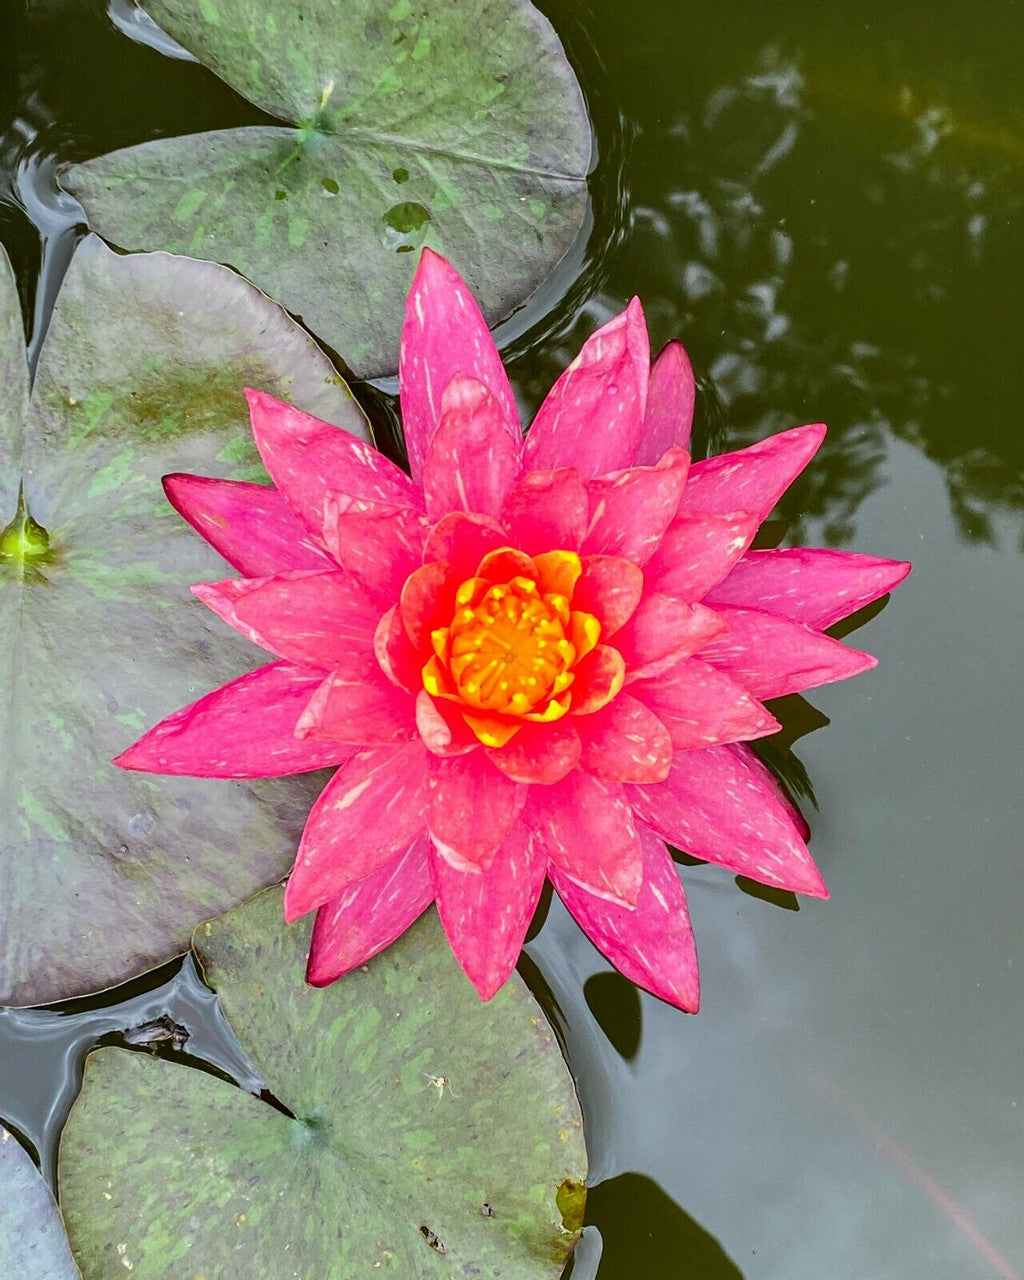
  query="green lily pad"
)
[
  {"x": 433, "y": 1136},
  {"x": 453, "y": 123},
  {"x": 104, "y": 873},
  {"x": 33, "y": 1245}
]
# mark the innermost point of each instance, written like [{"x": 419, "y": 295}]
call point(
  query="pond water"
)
[{"x": 827, "y": 204}]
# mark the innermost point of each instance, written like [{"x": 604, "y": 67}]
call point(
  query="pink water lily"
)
[{"x": 527, "y": 659}]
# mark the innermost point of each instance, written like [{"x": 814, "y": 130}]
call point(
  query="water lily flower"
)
[{"x": 528, "y": 658}]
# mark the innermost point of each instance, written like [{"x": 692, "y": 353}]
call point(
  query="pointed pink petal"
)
[
  {"x": 462, "y": 540},
  {"x": 251, "y": 525},
  {"x": 442, "y": 727},
  {"x": 486, "y": 913},
  {"x": 753, "y": 762},
  {"x": 245, "y": 729},
  {"x": 395, "y": 654},
  {"x": 610, "y": 589},
  {"x": 698, "y": 551},
  {"x": 473, "y": 459},
  {"x": 599, "y": 677},
  {"x": 546, "y": 511},
  {"x": 751, "y": 479},
  {"x": 373, "y": 806},
  {"x": 593, "y": 416},
  {"x": 630, "y": 512},
  {"x": 427, "y": 602},
  {"x": 624, "y": 742},
  {"x": 651, "y": 945},
  {"x": 378, "y": 545},
  {"x": 702, "y": 707},
  {"x": 308, "y": 459},
  {"x": 313, "y": 619},
  {"x": 585, "y": 826},
  {"x": 358, "y": 704},
  {"x": 809, "y": 585},
  {"x": 444, "y": 334},
  {"x": 714, "y": 806},
  {"x": 772, "y": 656},
  {"x": 662, "y": 632},
  {"x": 370, "y": 914},
  {"x": 542, "y": 753},
  {"x": 670, "y": 398},
  {"x": 473, "y": 806}
]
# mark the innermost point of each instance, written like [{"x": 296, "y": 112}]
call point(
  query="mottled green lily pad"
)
[
  {"x": 453, "y": 123},
  {"x": 102, "y": 872},
  {"x": 33, "y": 1245},
  {"x": 434, "y": 1137}
]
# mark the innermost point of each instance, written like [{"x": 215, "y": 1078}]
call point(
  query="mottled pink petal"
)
[
  {"x": 428, "y": 601},
  {"x": 473, "y": 459},
  {"x": 308, "y": 459},
  {"x": 670, "y": 398},
  {"x": 624, "y": 742},
  {"x": 251, "y": 525},
  {"x": 444, "y": 334},
  {"x": 378, "y": 545},
  {"x": 751, "y": 479},
  {"x": 462, "y": 541},
  {"x": 542, "y": 753},
  {"x": 630, "y": 512},
  {"x": 374, "y": 806},
  {"x": 652, "y": 944},
  {"x": 703, "y": 707},
  {"x": 313, "y": 619},
  {"x": 245, "y": 729},
  {"x": 714, "y": 806},
  {"x": 442, "y": 727},
  {"x": 585, "y": 826},
  {"x": 662, "y": 632},
  {"x": 599, "y": 677},
  {"x": 593, "y": 416},
  {"x": 546, "y": 511},
  {"x": 358, "y": 704},
  {"x": 807, "y": 584},
  {"x": 486, "y": 913},
  {"x": 772, "y": 656},
  {"x": 698, "y": 551},
  {"x": 393, "y": 649},
  {"x": 473, "y": 806},
  {"x": 610, "y": 588},
  {"x": 370, "y": 914}
]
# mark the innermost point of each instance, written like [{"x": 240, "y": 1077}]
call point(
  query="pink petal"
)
[
  {"x": 313, "y": 619},
  {"x": 772, "y": 656},
  {"x": 358, "y": 704},
  {"x": 714, "y": 806},
  {"x": 630, "y": 512},
  {"x": 610, "y": 588},
  {"x": 245, "y": 729},
  {"x": 808, "y": 585},
  {"x": 442, "y": 727},
  {"x": 585, "y": 826},
  {"x": 662, "y": 632},
  {"x": 599, "y": 678},
  {"x": 593, "y": 416},
  {"x": 444, "y": 334},
  {"x": 624, "y": 742},
  {"x": 542, "y": 753},
  {"x": 486, "y": 913},
  {"x": 374, "y": 806},
  {"x": 751, "y": 479},
  {"x": 308, "y": 459},
  {"x": 698, "y": 551},
  {"x": 652, "y": 944},
  {"x": 463, "y": 540},
  {"x": 395, "y": 654},
  {"x": 251, "y": 525},
  {"x": 670, "y": 398},
  {"x": 473, "y": 806},
  {"x": 473, "y": 459},
  {"x": 378, "y": 545},
  {"x": 702, "y": 707},
  {"x": 546, "y": 511},
  {"x": 427, "y": 602},
  {"x": 370, "y": 914}
]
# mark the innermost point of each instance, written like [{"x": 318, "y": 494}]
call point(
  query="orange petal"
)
[{"x": 599, "y": 677}]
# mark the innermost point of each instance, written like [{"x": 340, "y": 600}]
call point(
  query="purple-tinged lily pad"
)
[{"x": 33, "y": 1245}]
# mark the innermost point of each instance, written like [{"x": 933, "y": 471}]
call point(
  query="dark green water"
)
[{"x": 827, "y": 203}]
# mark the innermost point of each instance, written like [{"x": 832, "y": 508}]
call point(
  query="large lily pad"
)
[
  {"x": 453, "y": 123},
  {"x": 33, "y": 1245},
  {"x": 104, "y": 873},
  {"x": 434, "y": 1136}
]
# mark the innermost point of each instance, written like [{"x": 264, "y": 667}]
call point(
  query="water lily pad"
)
[
  {"x": 33, "y": 1245},
  {"x": 453, "y": 123},
  {"x": 104, "y": 873},
  {"x": 433, "y": 1135}
]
